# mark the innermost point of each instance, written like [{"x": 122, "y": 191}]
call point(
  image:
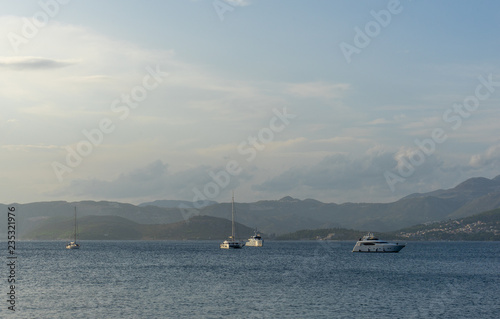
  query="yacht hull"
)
[
  {"x": 371, "y": 244},
  {"x": 254, "y": 243},
  {"x": 386, "y": 249}
]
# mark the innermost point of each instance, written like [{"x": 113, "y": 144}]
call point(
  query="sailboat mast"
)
[
  {"x": 75, "y": 224},
  {"x": 232, "y": 218}
]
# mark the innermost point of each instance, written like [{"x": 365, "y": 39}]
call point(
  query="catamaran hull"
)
[{"x": 231, "y": 246}]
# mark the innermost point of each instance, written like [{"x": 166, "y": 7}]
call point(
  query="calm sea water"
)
[{"x": 196, "y": 279}]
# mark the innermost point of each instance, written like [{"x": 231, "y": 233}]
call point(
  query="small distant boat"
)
[
  {"x": 231, "y": 242},
  {"x": 255, "y": 240},
  {"x": 371, "y": 244},
  {"x": 73, "y": 244}
]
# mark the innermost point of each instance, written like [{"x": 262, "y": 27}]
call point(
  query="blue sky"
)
[{"x": 254, "y": 96}]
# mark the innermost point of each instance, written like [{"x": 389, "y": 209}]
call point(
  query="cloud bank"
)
[{"x": 34, "y": 63}]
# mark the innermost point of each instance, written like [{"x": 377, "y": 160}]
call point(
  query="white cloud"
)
[
  {"x": 379, "y": 121},
  {"x": 337, "y": 174},
  {"x": 360, "y": 178},
  {"x": 318, "y": 89},
  {"x": 195, "y": 120},
  {"x": 150, "y": 182},
  {"x": 490, "y": 158},
  {"x": 238, "y": 3},
  {"x": 27, "y": 148},
  {"x": 33, "y": 63}
]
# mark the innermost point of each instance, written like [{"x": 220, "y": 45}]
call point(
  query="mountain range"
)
[
  {"x": 119, "y": 228},
  {"x": 483, "y": 226},
  {"x": 281, "y": 216},
  {"x": 286, "y": 215},
  {"x": 479, "y": 227}
]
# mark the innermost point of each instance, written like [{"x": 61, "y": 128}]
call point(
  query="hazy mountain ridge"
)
[
  {"x": 289, "y": 214},
  {"x": 483, "y": 226},
  {"x": 468, "y": 190},
  {"x": 29, "y": 216},
  {"x": 285, "y": 215},
  {"x": 119, "y": 228},
  {"x": 168, "y": 203}
]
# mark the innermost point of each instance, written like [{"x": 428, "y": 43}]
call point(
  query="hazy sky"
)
[{"x": 361, "y": 101}]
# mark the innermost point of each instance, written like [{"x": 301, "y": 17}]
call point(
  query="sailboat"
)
[
  {"x": 73, "y": 244},
  {"x": 231, "y": 242}
]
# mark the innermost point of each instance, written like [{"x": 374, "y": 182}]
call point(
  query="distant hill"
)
[
  {"x": 275, "y": 216},
  {"x": 287, "y": 214},
  {"x": 178, "y": 203},
  {"x": 198, "y": 227},
  {"x": 468, "y": 190},
  {"x": 118, "y": 228},
  {"x": 483, "y": 226},
  {"x": 323, "y": 234},
  {"x": 89, "y": 227},
  {"x": 29, "y": 216}
]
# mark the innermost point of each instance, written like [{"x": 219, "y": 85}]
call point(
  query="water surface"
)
[{"x": 196, "y": 279}]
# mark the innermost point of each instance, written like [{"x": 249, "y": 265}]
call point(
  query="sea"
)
[{"x": 283, "y": 279}]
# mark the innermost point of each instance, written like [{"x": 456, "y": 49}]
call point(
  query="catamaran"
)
[
  {"x": 231, "y": 242},
  {"x": 73, "y": 244}
]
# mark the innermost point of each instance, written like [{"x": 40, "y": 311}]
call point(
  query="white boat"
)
[
  {"x": 73, "y": 244},
  {"x": 231, "y": 242},
  {"x": 255, "y": 240},
  {"x": 371, "y": 244}
]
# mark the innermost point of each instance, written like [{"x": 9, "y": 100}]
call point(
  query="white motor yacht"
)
[
  {"x": 371, "y": 244},
  {"x": 255, "y": 240}
]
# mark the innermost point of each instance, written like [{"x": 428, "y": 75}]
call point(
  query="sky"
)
[{"x": 339, "y": 101}]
